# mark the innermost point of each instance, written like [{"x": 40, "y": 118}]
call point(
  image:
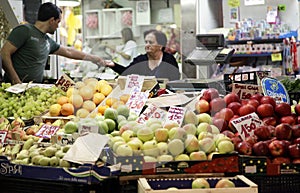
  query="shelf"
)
[{"x": 254, "y": 55}]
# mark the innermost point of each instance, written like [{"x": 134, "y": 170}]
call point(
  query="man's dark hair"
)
[
  {"x": 48, "y": 10},
  {"x": 161, "y": 38}
]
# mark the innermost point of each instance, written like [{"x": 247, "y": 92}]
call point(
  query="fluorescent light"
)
[{"x": 68, "y": 3}]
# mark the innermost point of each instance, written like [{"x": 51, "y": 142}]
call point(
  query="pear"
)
[
  {"x": 64, "y": 163},
  {"x": 50, "y": 151},
  {"x": 59, "y": 154},
  {"x": 44, "y": 161},
  {"x": 54, "y": 161},
  {"x": 36, "y": 159}
]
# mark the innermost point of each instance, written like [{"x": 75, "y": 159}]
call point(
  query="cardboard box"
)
[
  {"x": 253, "y": 165},
  {"x": 85, "y": 174},
  {"x": 242, "y": 184}
]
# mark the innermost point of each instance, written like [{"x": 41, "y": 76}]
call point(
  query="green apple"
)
[
  {"x": 198, "y": 155},
  {"x": 225, "y": 147},
  {"x": 177, "y": 133},
  {"x": 165, "y": 158},
  {"x": 225, "y": 183},
  {"x": 200, "y": 183},
  {"x": 191, "y": 143},
  {"x": 182, "y": 157},
  {"x": 176, "y": 147},
  {"x": 190, "y": 128},
  {"x": 204, "y": 118},
  {"x": 207, "y": 145},
  {"x": 150, "y": 148},
  {"x": 190, "y": 117},
  {"x": 71, "y": 127},
  {"x": 203, "y": 127},
  {"x": 161, "y": 135},
  {"x": 145, "y": 134},
  {"x": 163, "y": 148},
  {"x": 124, "y": 150},
  {"x": 127, "y": 135}
]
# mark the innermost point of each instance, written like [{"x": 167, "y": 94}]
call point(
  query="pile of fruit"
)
[
  {"x": 82, "y": 99},
  {"x": 279, "y": 135},
  {"x": 28, "y": 104}
]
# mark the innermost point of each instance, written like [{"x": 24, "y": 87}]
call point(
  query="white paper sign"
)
[
  {"x": 245, "y": 91},
  {"x": 134, "y": 83},
  {"x": 246, "y": 125},
  {"x": 137, "y": 101},
  {"x": 46, "y": 131},
  {"x": 152, "y": 111},
  {"x": 176, "y": 114}
]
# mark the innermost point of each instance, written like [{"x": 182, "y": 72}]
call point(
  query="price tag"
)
[
  {"x": 3, "y": 135},
  {"x": 152, "y": 111},
  {"x": 64, "y": 82},
  {"x": 134, "y": 83},
  {"x": 245, "y": 91},
  {"x": 246, "y": 125},
  {"x": 137, "y": 101},
  {"x": 176, "y": 114},
  {"x": 46, "y": 131},
  {"x": 87, "y": 129},
  {"x": 274, "y": 88},
  {"x": 276, "y": 57}
]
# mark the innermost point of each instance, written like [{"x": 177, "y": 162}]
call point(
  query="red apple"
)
[
  {"x": 283, "y": 109},
  {"x": 246, "y": 109},
  {"x": 221, "y": 124},
  {"x": 296, "y": 131},
  {"x": 262, "y": 132},
  {"x": 257, "y": 96},
  {"x": 226, "y": 114},
  {"x": 268, "y": 100},
  {"x": 298, "y": 119},
  {"x": 272, "y": 130},
  {"x": 217, "y": 104},
  {"x": 288, "y": 119},
  {"x": 296, "y": 141},
  {"x": 228, "y": 133},
  {"x": 202, "y": 106},
  {"x": 234, "y": 106},
  {"x": 230, "y": 126},
  {"x": 270, "y": 121},
  {"x": 277, "y": 148},
  {"x": 260, "y": 148},
  {"x": 252, "y": 139},
  {"x": 281, "y": 160},
  {"x": 283, "y": 131},
  {"x": 253, "y": 102},
  {"x": 265, "y": 110},
  {"x": 297, "y": 109},
  {"x": 294, "y": 150},
  {"x": 244, "y": 148},
  {"x": 244, "y": 101},
  {"x": 236, "y": 140},
  {"x": 231, "y": 97},
  {"x": 210, "y": 94}
]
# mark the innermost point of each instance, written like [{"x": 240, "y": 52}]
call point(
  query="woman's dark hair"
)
[
  {"x": 161, "y": 38},
  {"x": 127, "y": 34},
  {"x": 48, "y": 10}
]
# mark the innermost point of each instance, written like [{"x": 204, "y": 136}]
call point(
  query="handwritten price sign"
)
[
  {"x": 152, "y": 111},
  {"x": 134, "y": 83},
  {"x": 3, "y": 135},
  {"x": 176, "y": 114},
  {"x": 87, "y": 129},
  {"x": 46, "y": 131},
  {"x": 137, "y": 101},
  {"x": 246, "y": 125},
  {"x": 64, "y": 82},
  {"x": 245, "y": 91}
]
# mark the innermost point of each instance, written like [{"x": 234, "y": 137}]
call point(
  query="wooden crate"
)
[{"x": 242, "y": 183}]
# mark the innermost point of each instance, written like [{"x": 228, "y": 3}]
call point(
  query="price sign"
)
[
  {"x": 152, "y": 111},
  {"x": 176, "y": 114},
  {"x": 137, "y": 101},
  {"x": 46, "y": 131},
  {"x": 245, "y": 91},
  {"x": 87, "y": 129},
  {"x": 134, "y": 83},
  {"x": 246, "y": 125},
  {"x": 64, "y": 82},
  {"x": 3, "y": 135}
]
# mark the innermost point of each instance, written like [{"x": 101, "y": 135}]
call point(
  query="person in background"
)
[
  {"x": 128, "y": 51},
  {"x": 25, "y": 53},
  {"x": 155, "y": 62}
]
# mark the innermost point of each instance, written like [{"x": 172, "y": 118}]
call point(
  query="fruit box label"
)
[
  {"x": 245, "y": 91},
  {"x": 274, "y": 88},
  {"x": 246, "y": 125}
]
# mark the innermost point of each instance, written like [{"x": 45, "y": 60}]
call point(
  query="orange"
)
[
  {"x": 116, "y": 104},
  {"x": 124, "y": 97},
  {"x": 110, "y": 101},
  {"x": 86, "y": 92},
  {"x": 101, "y": 109},
  {"x": 67, "y": 109},
  {"x": 98, "y": 98},
  {"x": 106, "y": 89},
  {"x": 76, "y": 100},
  {"x": 62, "y": 100},
  {"x": 89, "y": 105},
  {"x": 54, "y": 110}
]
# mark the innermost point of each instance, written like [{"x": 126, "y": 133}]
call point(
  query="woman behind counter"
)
[{"x": 156, "y": 62}]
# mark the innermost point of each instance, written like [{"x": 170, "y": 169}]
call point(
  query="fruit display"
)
[
  {"x": 82, "y": 99},
  {"x": 30, "y": 103},
  {"x": 278, "y": 135}
]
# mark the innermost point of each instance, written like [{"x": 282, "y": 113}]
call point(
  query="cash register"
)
[{"x": 210, "y": 51}]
